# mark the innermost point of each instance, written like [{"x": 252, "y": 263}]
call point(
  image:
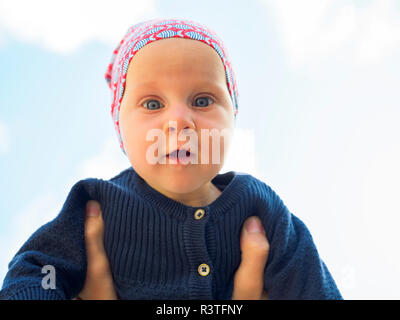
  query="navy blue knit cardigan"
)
[{"x": 155, "y": 245}]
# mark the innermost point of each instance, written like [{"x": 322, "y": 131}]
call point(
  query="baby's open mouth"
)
[
  {"x": 182, "y": 156},
  {"x": 183, "y": 153}
]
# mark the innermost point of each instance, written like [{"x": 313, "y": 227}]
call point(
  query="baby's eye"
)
[
  {"x": 152, "y": 104},
  {"x": 203, "y": 101}
]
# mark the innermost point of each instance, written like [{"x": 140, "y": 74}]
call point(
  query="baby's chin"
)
[{"x": 179, "y": 180}]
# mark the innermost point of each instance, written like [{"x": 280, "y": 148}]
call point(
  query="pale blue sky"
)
[{"x": 318, "y": 118}]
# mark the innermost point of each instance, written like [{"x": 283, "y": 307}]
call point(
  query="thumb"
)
[
  {"x": 253, "y": 242},
  {"x": 99, "y": 282},
  {"x": 94, "y": 239},
  {"x": 249, "y": 278}
]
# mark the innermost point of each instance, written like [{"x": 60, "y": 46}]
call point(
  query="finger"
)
[
  {"x": 94, "y": 235},
  {"x": 249, "y": 278},
  {"x": 99, "y": 282}
]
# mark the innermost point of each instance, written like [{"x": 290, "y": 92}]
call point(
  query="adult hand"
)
[{"x": 248, "y": 279}]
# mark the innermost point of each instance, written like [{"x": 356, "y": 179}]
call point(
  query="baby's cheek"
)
[
  {"x": 218, "y": 142},
  {"x": 134, "y": 145}
]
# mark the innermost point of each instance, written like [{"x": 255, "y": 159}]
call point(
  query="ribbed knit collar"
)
[{"x": 236, "y": 187}]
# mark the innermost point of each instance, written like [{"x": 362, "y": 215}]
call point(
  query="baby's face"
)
[{"x": 173, "y": 86}]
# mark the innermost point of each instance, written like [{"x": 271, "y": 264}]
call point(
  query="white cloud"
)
[
  {"x": 63, "y": 26},
  {"x": 242, "y": 153},
  {"x": 4, "y": 138},
  {"x": 314, "y": 29},
  {"x": 106, "y": 164}
]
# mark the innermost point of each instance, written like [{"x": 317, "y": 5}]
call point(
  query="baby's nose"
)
[
  {"x": 178, "y": 133},
  {"x": 178, "y": 117},
  {"x": 173, "y": 128},
  {"x": 177, "y": 127}
]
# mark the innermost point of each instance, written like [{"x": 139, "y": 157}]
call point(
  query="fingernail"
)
[
  {"x": 92, "y": 209},
  {"x": 253, "y": 225}
]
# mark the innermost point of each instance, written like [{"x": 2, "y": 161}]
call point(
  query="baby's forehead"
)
[
  {"x": 176, "y": 51},
  {"x": 173, "y": 59}
]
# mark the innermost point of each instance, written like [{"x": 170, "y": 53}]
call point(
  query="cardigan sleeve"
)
[
  {"x": 57, "y": 247},
  {"x": 294, "y": 268}
]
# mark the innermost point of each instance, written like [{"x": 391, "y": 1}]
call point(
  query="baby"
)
[{"x": 172, "y": 222}]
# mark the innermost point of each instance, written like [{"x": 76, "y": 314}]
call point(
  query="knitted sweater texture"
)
[{"x": 156, "y": 245}]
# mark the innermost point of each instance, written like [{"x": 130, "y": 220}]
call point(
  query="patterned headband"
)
[{"x": 148, "y": 31}]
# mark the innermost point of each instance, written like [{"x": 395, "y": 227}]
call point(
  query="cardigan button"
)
[
  {"x": 199, "y": 214},
  {"x": 203, "y": 269}
]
